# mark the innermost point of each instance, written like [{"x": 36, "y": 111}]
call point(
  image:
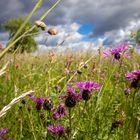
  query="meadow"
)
[
  {"x": 107, "y": 109},
  {"x": 67, "y": 95}
]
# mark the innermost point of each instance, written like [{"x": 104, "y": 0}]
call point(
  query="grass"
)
[
  {"x": 112, "y": 113},
  {"x": 99, "y": 118}
]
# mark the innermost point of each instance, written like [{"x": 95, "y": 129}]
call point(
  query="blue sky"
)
[
  {"x": 86, "y": 28},
  {"x": 80, "y": 22}
]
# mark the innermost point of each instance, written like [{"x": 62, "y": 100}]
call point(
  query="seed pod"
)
[
  {"x": 52, "y": 31},
  {"x": 86, "y": 95},
  {"x": 48, "y": 104},
  {"x": 135, "y": 83},
  {"x": 79, "y": 72},
  {"x": 70, "y": 102},
  {"x": 42, "y": 116},
  {"x": 117, "y": 123},
  {"x": 40, "y": 24},
  {"x": 23, "y": 101},
  {"x": 117, "y": 56}
]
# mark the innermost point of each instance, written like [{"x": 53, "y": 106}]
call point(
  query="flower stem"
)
[
  {"x": 69, "y": 123},
  {"x": 84, "y": 108},
  {"x": 31, "y": 124}
]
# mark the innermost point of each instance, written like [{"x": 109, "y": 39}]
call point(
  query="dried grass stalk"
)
[
  {"x": 13, "y": 102},
  {"x": 2, "y": 71}
]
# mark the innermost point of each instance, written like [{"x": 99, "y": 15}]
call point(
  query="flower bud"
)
[
  {"x": 52, "y": 31},
  {"x": 70, "y": 102},
  {"x": 40, "y": 24}
]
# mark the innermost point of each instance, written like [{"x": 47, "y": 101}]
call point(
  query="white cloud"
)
[
  {"x": 69, "y": 35},
  {"x": 116, "y": 36}
]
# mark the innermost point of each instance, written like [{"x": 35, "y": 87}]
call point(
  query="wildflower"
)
[
  {"x": 3, "y": 131},
  {"x": 87, "y": 87},
  {"x": 116, "y": 52},
  {"x": 48, "y": 104},
  {"x": 60, "y": 111},
  {"x": 134, "y": 76},
  {"x": 57, "y": 130},
  {"x": 71, "y": 97},
  {"x": 39, "y": 101}
]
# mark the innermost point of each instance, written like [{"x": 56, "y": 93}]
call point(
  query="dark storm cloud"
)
[{"x": 104, "y": 15}]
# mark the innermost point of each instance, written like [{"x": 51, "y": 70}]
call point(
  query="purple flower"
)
[
  {"x": 87, "y": 87},
  {"x": 57, "y": 130},
  {"x": 3, "y": 131},
  {"x": 116, "y": 52},
  {"x": 59, "y": 112},
  {"x": 134, "y": 76},
  {"x": 39, "y": 101},
  {"x": 71, "y": 97}
]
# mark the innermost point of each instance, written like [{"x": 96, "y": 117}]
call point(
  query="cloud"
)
[
  {"x": 68, "y": 37},
  {"x": 122, "y": 35},
  {"x": 112, "y": 20},
  {"x": 105, "y": 15}
]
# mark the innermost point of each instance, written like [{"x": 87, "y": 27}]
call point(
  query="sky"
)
[{"x": 80, "y": 23}]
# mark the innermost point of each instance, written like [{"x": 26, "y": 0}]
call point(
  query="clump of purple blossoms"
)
[
  {"x": 116, "y": 52},
  {"x": 43, "y": 101},
  {"x": 87, "y": 87},
  {"x": 134, "y": 76},
  {"x": 59, "y": 112},
  {"x": 71, "y": 97},
  {"x": 56, "y": 130},
  {"x": 2, "y": 132}
]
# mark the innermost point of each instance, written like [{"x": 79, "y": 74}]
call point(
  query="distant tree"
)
[
  {"x": 25, "y": 44},
  {"x": 138, "y": 37}
]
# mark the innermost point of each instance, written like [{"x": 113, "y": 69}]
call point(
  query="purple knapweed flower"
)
[
  {"x": 43, "y": 101},
  {"x": 2, "y": 132},
  {"x": 134, "y": 76},
  {"x": 59, "y": 112},
  {"x": 71, "y": 97},
  {"x": 39, "y": 102},
  {"x": 87, "y": 87},
  {"x": 116, "y": 52},
  {"x": 48, "y": 104},
  {"x": 57, "y": 130}
]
